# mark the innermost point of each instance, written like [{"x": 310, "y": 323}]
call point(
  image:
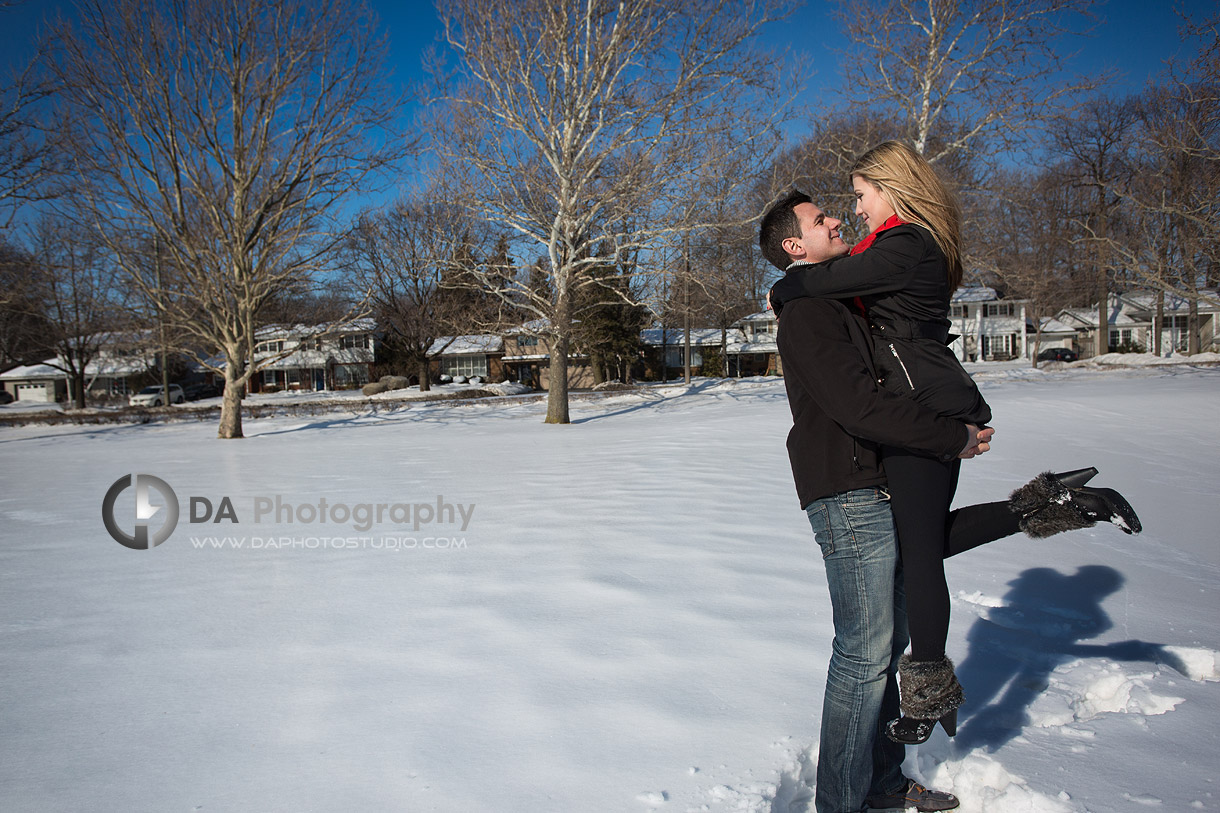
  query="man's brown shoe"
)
[{"x": 914, "y": 795}]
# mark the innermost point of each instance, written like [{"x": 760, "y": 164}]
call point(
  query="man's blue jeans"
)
[{"x": 859, "y": 547}]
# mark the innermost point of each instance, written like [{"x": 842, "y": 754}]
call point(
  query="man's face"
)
[{"x": 819, "y": 240}]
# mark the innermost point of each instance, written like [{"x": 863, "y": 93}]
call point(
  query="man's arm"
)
[
  {"x": 887, "y": 265},
  {"x": 819, "y": 354}
]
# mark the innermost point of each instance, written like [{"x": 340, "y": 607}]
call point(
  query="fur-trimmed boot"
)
[
  {"x": 1047, "y": 505},
  {"x": 929, "y": 694}
]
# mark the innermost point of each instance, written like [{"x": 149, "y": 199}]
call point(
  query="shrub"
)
[
  {"x": 395, "y": 382},
  {"x": 374, "y": 388}
]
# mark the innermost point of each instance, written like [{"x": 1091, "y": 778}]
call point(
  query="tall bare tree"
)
[
  {"x": 225, "y": 132},
  {"x": 1171, "y": 196},
  {"x": 961, "y": 75},
  {"x": 79, "y": 293},
  {"x": 1031, "y": 251},
  {"x": 25, "y": 154},
  {"x": 1093, "y": 141},
  {"x": 575, "y": 124},
  {"x": 404, "y": 257}
]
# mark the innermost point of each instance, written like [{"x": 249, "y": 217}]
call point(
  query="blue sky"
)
[{"x": 1136, "y": 37}]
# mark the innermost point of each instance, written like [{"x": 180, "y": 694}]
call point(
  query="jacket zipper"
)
[{"x": 894, "y": 350}]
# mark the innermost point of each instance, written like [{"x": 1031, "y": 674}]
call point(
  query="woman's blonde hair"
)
[{"x": 910, "y": 185}]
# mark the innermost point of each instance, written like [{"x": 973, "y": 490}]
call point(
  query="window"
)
[
  {"x": 998, "y": 309},
  {"x": 466, "y": 365},
  {"x": 958, "y": 310},
  {"x": 527, "y": 341},
  {"x": 675, "y": 355},
  {"x": 293, "y": 376},
  {"x": 1117, "y": 337},
  {"x": 269, "y": 347},
  {"x": 270, "y": 378},
  {"x": 351, "y": 375},
  {"x": 355, "y": 341},
  {"x": 999, "y": 346}
]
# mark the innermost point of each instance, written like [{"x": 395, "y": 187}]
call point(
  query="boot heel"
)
[
  {"x": 949, "y": 723},
  {"x": 1077, "y": 478}
]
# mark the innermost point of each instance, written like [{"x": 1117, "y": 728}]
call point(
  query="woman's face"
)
[{"x": 871, "y": 207}]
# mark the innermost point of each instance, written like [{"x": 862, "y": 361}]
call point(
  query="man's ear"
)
[{"x": 792, "y": 245}]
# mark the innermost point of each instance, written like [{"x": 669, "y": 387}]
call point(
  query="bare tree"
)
[
  {"x": 225, "y": 132},
  {"x": 576, "y": 125},
  {"x": 25, "y": 154},
  {"x": 963, "y": 76},
  {"x": 1171, "y": 196},
  {"x": 78, "y": 291},
  {"x": 1093, "y": 140},
  {"x": 1030, "y": 252},
  {"x": 404, "y": 257},
  {"x": 25, "y": 334}
]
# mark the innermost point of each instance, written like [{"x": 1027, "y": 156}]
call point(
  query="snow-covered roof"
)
[
  {"x": 1052, "y": 325},
  {"x": 32, "y": 371},
  {"x": 974, "y": 293},
  {"x": 105, "y": 364},
  {"x": 477, "y": 343},
  {"x": 1146, "y": 301},
  {"x": 363, "y": 325},
  {"x": 1087, "y": 317},
  {"x": 761, "y": 316},
  {"x": 701, "y": 336}
]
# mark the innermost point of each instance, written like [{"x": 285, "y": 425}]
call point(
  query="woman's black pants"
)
[{"x": 921, "y": 491}]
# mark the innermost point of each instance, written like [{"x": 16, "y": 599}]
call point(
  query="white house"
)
[
  {"x": 315, "y": 357},
  {"x": 122, "y": 360},
  {"x": 988, "y": 328}
]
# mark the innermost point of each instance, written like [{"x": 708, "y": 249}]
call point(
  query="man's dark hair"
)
[{"x": 778, "y": 224}]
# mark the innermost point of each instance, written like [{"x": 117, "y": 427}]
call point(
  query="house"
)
[
  {"x": 703, "y": 341},
  {"x": 988, "y": 328},
  {"x": 527, "y": 359},
  {"x": 758, "y": 354},
  {"x": 123, "y": 363},
  {"x": 1175, "y": 329},
  {"x": 1125, "y": 326},
  {"x": 315, "y": 357},
  {"x": 480, "y": 354},
  {"x": 39, "y": 383}
]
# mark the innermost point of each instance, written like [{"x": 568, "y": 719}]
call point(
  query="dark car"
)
[
  {"x": 194, "y": 392},
  {"x": 1057, "y": 354}
]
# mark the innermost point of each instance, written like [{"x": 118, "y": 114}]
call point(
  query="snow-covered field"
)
[{"x": 634, "y": 617}]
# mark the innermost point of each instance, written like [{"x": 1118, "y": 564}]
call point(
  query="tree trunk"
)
[
  {"x": 557, "y": 394},
  {"x": 1158, "y": 323},
  {"x": 1192, "y": 324},
  {"x": 425, "y": 379},
  {"x": 78, "y": 390},
  {"x": 230, "y": 407},
  {"x": 597, "y": 362},
  {"x": 1103, "y": 312}
]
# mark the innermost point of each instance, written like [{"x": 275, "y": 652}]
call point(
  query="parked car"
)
[
  {"x": 199, "y": 390},
  {"x": 153, "y": 396},
  {"x": 1057, "y": 354}
]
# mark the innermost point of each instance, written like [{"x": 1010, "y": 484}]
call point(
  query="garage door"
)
[{"x": 33, "y": 392}]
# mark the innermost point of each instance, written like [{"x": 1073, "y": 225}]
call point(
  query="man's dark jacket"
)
[{"x": 840, "y": 415}]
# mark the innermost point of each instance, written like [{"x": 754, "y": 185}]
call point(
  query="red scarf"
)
[
  {"x": 868, "y": 241},
  {"x": 894, "y": 220}
]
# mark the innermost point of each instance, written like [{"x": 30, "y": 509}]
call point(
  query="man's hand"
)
[{"x": 979, "y": 442}]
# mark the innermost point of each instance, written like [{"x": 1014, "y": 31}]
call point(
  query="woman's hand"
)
[{"x": 979, "y": 442}]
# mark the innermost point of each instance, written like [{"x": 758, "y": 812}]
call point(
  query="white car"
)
[{"x": 152, "y": 396}]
